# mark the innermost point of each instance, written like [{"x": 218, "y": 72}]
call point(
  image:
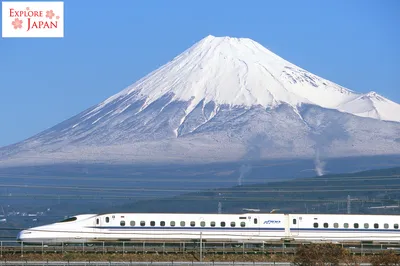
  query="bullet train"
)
[{"x": 247, "y": 227}]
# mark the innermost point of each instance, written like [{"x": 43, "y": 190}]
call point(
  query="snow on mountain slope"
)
[
  {"x": 222, "y": 99},
  {"x": 372, "y": 105},
  {"x": 237, "y": 72}
]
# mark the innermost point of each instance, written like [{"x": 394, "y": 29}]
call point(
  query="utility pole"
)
[
  {"x": 348, "y": 204},
  {"x": 201, "y": 247}
]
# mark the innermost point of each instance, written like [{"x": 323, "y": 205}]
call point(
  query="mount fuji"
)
[{"x": 223, "y": 99}]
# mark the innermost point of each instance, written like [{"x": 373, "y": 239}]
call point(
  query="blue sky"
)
[{"x": 108, "y": 45}]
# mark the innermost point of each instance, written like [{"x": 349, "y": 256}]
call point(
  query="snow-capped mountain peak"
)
[
  {"x": 222, "y": 99},
  {"x": 372, "y": 105},
  {"x": 238, "y": 72}
]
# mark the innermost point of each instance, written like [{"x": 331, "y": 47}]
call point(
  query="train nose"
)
[
  {"x": 22, "y": 235},
  {"x": 19, "y": 237}
]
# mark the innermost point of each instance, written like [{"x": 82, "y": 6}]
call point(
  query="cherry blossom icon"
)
[
  {"x": 50, "y": 14},
  {"x": 17, "y": 23},
  {"x": 27, "y": 8},
  {"x": 58, "y": 17}
]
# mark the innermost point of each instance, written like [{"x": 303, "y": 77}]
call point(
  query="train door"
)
[
  {"x": 294, "y": 224},
  {"x": 96, "y": 224},
  {"x": 256, "y": 224}
]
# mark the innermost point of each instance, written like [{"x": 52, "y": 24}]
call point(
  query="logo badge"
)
[
  {"x": 32, "y": 19},
  {"x": 272, "y": 222}
]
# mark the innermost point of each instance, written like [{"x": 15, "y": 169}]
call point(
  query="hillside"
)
[{"x": 323, "y": 194}]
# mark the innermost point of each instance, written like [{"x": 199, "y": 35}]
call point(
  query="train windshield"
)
[{"x": 68, "y": 220}]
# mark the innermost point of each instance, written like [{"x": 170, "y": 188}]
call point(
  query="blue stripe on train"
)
[
  {"x": 186, "y": 228},
  {"x": 244, "y": 228},
  {"x": 345, "y": 229}
]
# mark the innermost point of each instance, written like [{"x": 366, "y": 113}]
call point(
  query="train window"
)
[
  {"x": 222, "y": 224},
  {"x": 386, "y": 226},
  {"x": 376, "y": 226},
  {"x": 336, "y": 225},
  {"x": 172, "y": 223},
  {"x": 122, "y": 223},
  {"x": 192, "y": 223},
  {"x": 152, "y": 223},
  {"x": 107, "y": 219},
  {"x": 315, "y": 225},
  {"x": 346, "y": 225},
  {"x": 326, "y": 225},
  {"x": 294, "y": 221},
  {"x": 142, "y": 223},
  {"x": 366, "y": 226},
  {"x": 202, "y": 223},
  {"x": 255, "y": 221},
  {"x": 396, "y": 226},
  {"x": 243, "y": 224},
  {"x": 242, "y": 218},
  {"x": 212, "y": 224},
  {"x": 97, "y": 221},
  {"x": 233, "y": 224},
  {"x": 182, "y": 223},
  {"x": 132, "y": 223},
  {"x": 162, "y": 223},
  {"x": 356, "y": 225}
]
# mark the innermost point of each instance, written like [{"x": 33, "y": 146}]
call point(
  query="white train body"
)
[{"x": 248, "y": 227}]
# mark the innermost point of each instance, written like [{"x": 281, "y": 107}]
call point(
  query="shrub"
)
[
  {"x": 385, "y": 258},
  {"x": 321, "y": 254}
]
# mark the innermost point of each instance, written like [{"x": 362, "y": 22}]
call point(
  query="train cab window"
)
[
  {"x": 255, "y": 221},
  {"x": 315, "y": 225},
  {"x": 152, "y": 223},
  {"x": 68, "y": 220},
  {"x": 212, "y": 224},
  {"x": 326, "y": 225},
  {"x": 346, "y": 225},
  {"x": 182, "y": 223},
  {"x": 192, "y": 223},
  {"x": 142, "y": 223},
  {"x": 122, "y": 223},
  {"x": 172, "y": 223},
  {"x": 222, "y": 224},
  {"x": 356, "y": 225},
  {"x": 233, "y": 224},
  {"x": 162, "y": 223},
  {"x": 336, "y": 225},
  {"x": 294, "y": 221},
  {"x": 132, "y": 223},
  {"x": 107, "y": 219},
  {"x": 97, "y": 221},
  {"x": 366, "y": 225},
  {"x": 242, "y": 224},
  {"x": 376, "y": 226},
  {"x": 396, "y": 226},
  {"x": 202, "y": 223},
  {"x": 386, "y": 226}
]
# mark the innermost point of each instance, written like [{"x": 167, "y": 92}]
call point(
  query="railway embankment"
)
[{"x": 316, "y": 254}]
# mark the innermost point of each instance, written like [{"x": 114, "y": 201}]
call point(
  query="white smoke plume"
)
[
  {"x": 319, "y": 165},
  {"x": 244, "y": 170}
]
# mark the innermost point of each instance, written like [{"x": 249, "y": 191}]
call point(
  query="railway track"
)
[{"x": 9, "y": 247}]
